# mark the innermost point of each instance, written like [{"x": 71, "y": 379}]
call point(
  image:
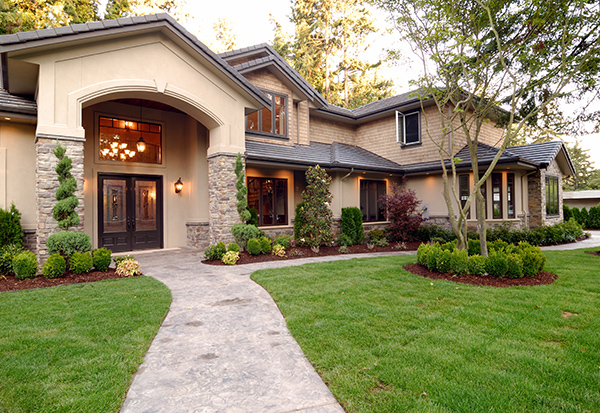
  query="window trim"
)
[
  {"x": 556, "y": 197},
  {"x": 401, "y": 122},
  {"x": 99, "y": 159},
  {"x": 383, "y": 216},
  {"x": 272, "y": 109},
  {"x": 260, "y": 199}
]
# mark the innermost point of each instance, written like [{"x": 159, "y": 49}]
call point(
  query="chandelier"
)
[{"x": 118, "y": 149}]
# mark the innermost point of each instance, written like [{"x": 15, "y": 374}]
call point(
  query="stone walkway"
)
[{"x": 224, "y": 346}]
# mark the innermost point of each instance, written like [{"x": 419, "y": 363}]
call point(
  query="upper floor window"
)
[
  {"x": 408, "y": 128},
  {"x": 127, "y": 141},
  {"x": 552, "y": 195},
  {"x": 271, "y": 121}
]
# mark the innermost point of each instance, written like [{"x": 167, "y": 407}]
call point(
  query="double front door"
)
[{"x": 130, "y": 212}]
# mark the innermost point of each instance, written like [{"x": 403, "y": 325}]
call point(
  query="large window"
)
[
  {"x": 127, "y": 141},
  {"x": 465, "y": 191},
  {"x": 552, "y": 195},
  {"x": 268, "y": 197},
  {"x": 408, "y": 128},
  {"x": 270, "y": 121},
  {"x": 370, "y": 193},
  {"x": 497, "y": 196}
]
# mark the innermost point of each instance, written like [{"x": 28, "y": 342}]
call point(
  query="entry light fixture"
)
[
  {"x": 141, "y": 145},
  {"x": 178, "y": 186}
]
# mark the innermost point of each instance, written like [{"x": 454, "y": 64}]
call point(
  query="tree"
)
[
  {"x": 64, "y": 211},
  {"x": 242, "y": 191},
  {"x": 316, "y": 215},
  {"x": 329, "y": 36},
  {"x": 225, "y": 35},
  {"x": 486, "y": 59}
]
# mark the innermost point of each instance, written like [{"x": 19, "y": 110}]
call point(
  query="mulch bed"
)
[
  {"x": 306, "y": 252},
  {"x": 11, "y": 283},
  {"x": 593, "y": 252},
  {"x": 542, "y": 278}
]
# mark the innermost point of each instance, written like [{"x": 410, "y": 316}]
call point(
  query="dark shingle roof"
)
[
  {"x": 334, "y": 155},
  {"x": 542, "y": 153},
  {"x": 52, "y": 36},
  {"x": 16, "y": 104}
]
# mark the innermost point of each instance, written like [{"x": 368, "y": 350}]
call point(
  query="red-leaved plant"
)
[{"x": 403, "y": 212}]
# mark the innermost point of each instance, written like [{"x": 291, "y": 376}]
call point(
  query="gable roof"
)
[
  {"x": 96, "y": 29},
  {"x": 335, "y": 155},
  {"x": 15, "y": 104}
]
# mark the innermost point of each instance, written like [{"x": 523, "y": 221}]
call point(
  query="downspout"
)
[{"x": 523, "y": 210}]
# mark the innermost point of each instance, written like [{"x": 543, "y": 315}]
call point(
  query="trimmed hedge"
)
[
  {"x": 55, "y": 266},
  {"x": 352, "y": 226},
  {"x": 66, "y": 243},
  {"x": 81, "y": 262},
  {"x": 25, "y": 265},
  {"x": 101, "y": 259}
]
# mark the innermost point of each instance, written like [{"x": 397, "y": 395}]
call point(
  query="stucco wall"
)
[{"x": 17, "y": 170}]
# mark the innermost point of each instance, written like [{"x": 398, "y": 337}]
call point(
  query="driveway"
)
[{"x": 224, "y": 345}]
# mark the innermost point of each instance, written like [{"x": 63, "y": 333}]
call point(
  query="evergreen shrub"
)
[
  {"x": 265, "y": 245},
  {"x": 284, "y": 240},
  {"x": 443, "y": 261},
  {"x": 25, "y": 265},
  {"x": 376, "y": 235},
  {"x": 352, "y": 225},
  {"x": 422, "y": 252},
  {"x": 55, "y": 266},
  {"x": 233, "y": 246},
  {"x": 215, "y": 251},
  {"x": 496, "y": 264},
  {"x": 81, "y": 262},
  {"x": 432, "y": 257},
  {"x": 7, "y": 254},
  {"x": 316, "y": 228},
  {"x": 101, "y": 259},
  {"x": 514, "y": 266},
  {"x": 476, "y": 265},
  {"x": 11, "y": 232},
  {"x": 68, "y": 242},
  {"x": 459, "y": 261},
  {"x": 243, "y": 232},
  {"x": 254, "y": 246}
]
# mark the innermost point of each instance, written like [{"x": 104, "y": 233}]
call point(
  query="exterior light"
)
[
  {"x": 141, "y": 145},
  {"x": 178, "y": 186}
]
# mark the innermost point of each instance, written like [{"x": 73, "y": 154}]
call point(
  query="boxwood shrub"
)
[
  {"x": 25, "y": 265},
  {"x": 254, "y": 246},
  {"x": 7, "y": 254},
  {"x": 81, "y": 262},
  {"x": 215, "y": 251},
  {"x": 68, "y": 242},
  {"x": 101, "y": 259},
  {"x": 443, "y": 261},
  {"x": 459, "y": 261},
  {"x": 476, "y": 265},
  {"x": 55, "y": 266},
  {"x": 265, "y": 245}
]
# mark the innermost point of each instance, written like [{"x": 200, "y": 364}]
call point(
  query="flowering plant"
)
[
  {"x": 231, "y": 257},
  {"x": 278, "y": 250},
  {"x": 129, "y": 267}
]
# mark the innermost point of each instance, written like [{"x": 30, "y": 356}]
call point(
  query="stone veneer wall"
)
[
  {"x": 198, "y": 235},
  {"x": 536, "y": 207},
  {"x": 46, "y": 183},
  {"x": 221, "y": 194},
  {"x": 30, "y": 240}
]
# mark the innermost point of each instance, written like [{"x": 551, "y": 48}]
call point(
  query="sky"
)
[{"x": 252, "y": 26}]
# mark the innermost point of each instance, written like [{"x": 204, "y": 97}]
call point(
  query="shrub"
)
[
  {"x": 122, "y": 258},
  {"x": 316, "y": 229},
  {"x": 10, "y": 227},
  {"x": 344, "y": 240},
  {"x": 299, "y": 221},
  {"x": 231, "y": 257},
  {"x": 101, "y": 259},
  {"x": 432, "y": 257},
  {"x": 215, "y": 252},
  {"x": 64, "y": 211},
  {"x": 383, "y": 242},
  {"x": 533, "y": 259},
  {"x": 343, "y": 249},
  {"x": 443, "y": 261},
  {"x": 253, "y": 217},
  {"x": 422, "y": 253},
  {"x": 68, "y": 242},
  {"x": 54, "y": 267},
  {"x": 403, "y": 212},
  {"x": 585, "y": 218},
  {"x": 129, "y": 267},
  {"x": 567, "y": 213},
  {"x": 265, "y": 245},
  {"x": 7, "y": 254},
  {"x": 514, "y": 266},
  {"x": 449, "y": 246},
  {"x": 476, "y": 265},
  {"x": 254, "y": 246},
  {"x": 474, "y": 247},
  {"x": 499, "y": 246},
  {"x": 459, "y": 261},
  {"x": 284, "y": 240},
  {"x": 352, "y": 225},
  {"x": 25, "y": 265},
  {"x": 278, "y": 250},
  {"x": 242, "y": 191},
  {"x": 496, "y": 265},
  {"x": 376, "y": 235},
  {"x": 233, "y": 246},
  {"x": 81, "y": 262},
  {"x": 576, "y": 213},
  {"x": 242, "y": 233},
  {"x": 594, "y": 221},
  {"x": 427, "y": 232}
]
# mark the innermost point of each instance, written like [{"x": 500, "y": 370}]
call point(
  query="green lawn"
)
[
  {"x": 75, "y": 348},
  {"x": 385, "y": 340}
]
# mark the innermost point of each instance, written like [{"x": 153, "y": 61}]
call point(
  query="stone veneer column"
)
[
  {"x": 536, "y": 198},
  {"x": 222, "y": 213},
  {"x": 46, "y": 183}
]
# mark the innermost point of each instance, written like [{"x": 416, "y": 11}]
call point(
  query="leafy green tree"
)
[
  {"x": 482, "y": 55},
  {"x": 317, "y": 217},
  {"x": 242, "y": 191},
  {"x": 226, "y": 37},
  {"x": 64, "y": 211}
]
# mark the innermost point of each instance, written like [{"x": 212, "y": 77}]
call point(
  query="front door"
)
[{"x": 130, "y": 212}]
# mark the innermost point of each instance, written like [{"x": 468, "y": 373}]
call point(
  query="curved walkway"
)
[{"x": 224, "y": 346}]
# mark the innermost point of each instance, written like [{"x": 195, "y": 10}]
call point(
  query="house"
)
[
  {"x": 582, "y": 199},
  {"x": 142, "y": 105}
]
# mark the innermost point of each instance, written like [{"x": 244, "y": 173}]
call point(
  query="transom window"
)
[
  {"x": 408, "y": 128},
  {"x": 268, "y": 197},
  {"x": 127, "y": 141},
  {"x": 552, "y": 195},
  {"x": 271, "y": 121},
  {"x": 370, "y": 195}
]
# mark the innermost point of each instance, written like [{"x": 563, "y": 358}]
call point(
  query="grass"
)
[
  {"x": 385, "y": 340},
  {"x": 76, "y": 347}
]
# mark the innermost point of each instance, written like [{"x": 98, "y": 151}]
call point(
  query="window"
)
[
  {"x": 271, "y": 121},
  {"x": 497, "y": 196},
  {"x": 483, "y": 189},
  {"x": 370, "y": 206},
  {"x": 510, "y": 194},
  {"x": 552, "y": 195},
  {"x": 268, "y": 197},
  {"x": 126, "y": 141},
  {"x": 408, "y": 128},
  {"x": 463, "y": 189}
]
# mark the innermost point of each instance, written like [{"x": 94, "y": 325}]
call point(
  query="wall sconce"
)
[
  {"x": 178, "y": 186},
  {"x": 141, "y": 145}
]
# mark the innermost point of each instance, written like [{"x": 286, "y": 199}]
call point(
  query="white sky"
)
[{"x": 252, "y": 26}]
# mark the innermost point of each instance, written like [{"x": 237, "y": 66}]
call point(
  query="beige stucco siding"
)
[
  {"x": 17, "y": 170},
  {"x": 183, "y": 155}
]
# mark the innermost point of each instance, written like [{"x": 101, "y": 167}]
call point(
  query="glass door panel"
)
[
  {"x": 115, "y": 205},
  {"x": 145, "y": 205}
]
